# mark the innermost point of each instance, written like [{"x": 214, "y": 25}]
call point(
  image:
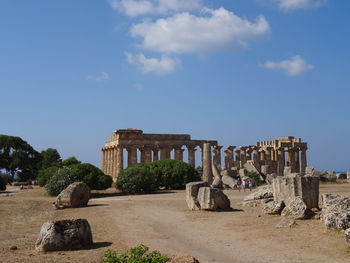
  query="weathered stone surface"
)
[
  {"x": 286, "y": 223},
  {"x": 269, "y": 178},
  {"x": 183, "y": 259},
  {"x": 336, "y": 211},
  {"x": 217, "y": 182},
  {"x": 75, "y": 195},
  {"x": 287, "y": 170},
  {"x": 250, "y": 167},
  {"x": 287, "y": 188},
  {"x": 192, "y": 194},
  {"x": 265, "y": 169},
  {"x": 242, "y": 172},
  {"x": 229, "y": 181},
  {"x": 64, "y": 235},
  {"x": 262, "y": 192},
  {"x": 328, "y": 176},
  {"x": 297, "y": 209},
  {"x": 233, "y": 172},
  {"x": 347, "y": 235},
  {"x": 273, "y": 208},
  {"x": 213, "y": 199}
]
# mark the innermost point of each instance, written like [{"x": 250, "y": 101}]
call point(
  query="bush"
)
[
  {"x": 60, "y": 180},
  {"x": 8, "y": 179},
  {"x": 256, "y": 178},
  {"x": 2, "y": 184},
  {"x": 137, "y": 179},
  {"x": 45, "y": 174},
  {"x": 135, "y": 255},
  {"x": 66, "y": 175},
  {"x": 174, "y": 174}
]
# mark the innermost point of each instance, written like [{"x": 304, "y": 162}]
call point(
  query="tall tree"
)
[
  {"x": 18, "y": 157},
  {"x": 50, "y": 157}
]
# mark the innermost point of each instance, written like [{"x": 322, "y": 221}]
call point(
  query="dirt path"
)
[{"x": 162, "y": 222}]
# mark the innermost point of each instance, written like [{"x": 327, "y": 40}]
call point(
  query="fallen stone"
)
[
  {"x": 269, "y": 178},
  {"x": 183, "y": 259},
  {"x": 336, "y": 211},
  {"x": 213, "y": 199},
  {"x": 229, "y": 181},
  {"x": 13, "y": 247},
  {"x": 233, "y": 172},
  {"x": 297, "y": 209},
  {"x": 192, "y": 194},
  {"x": 347, "y": 235},
  {"x": 262, "y": 192},
  {"x": 75, "y": 195},
  {"x": 286, "y": 223},
  {"x": 217, "y": 182},
  {"x": 64, "y": 235},
  {"x": 273, "y": 208}
]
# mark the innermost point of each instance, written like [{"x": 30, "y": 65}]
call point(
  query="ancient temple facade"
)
[
  {"x": 142, "y": 148},
  {"x": 131, "y": 146}
]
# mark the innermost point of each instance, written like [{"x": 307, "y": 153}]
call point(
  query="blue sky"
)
[{"x": 236, "y": 71}]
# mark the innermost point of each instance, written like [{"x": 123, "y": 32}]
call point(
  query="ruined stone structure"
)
[
  {"x": 270, "y": 156},
  {"x": 151, "y": 147},
  {"x": 265, "y": 157}
]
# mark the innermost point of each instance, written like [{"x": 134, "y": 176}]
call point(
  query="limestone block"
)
[
  {"x": 348, "y": 175},
  {"x": 192, "y": 194},
  {"x": 297, "y": 209},
  {"x": 286, "y": 223},
  {"x": 229, "y": 181},
  {"x": 262, "y": 192},
  {"x": 75, "y": 195},
  {"x": 231, "y": 172},
  {"x": 217, "y": 183},
  {"x": 288, "y": 188},
  {"x": 347, "y": 235},
  {"x": 213, "y": 199},
  {"x": 273, "y": 208},
  {"x": 336, "y": 211},
  {"x": 243, "y": 172},
  {"x": 265, "y": 169},
  {"x": 287, "y": 170},
  {"x": 269, "y": 178},
  {"x": 328, "y": 176},
  {"x": 64, "y": 235}
]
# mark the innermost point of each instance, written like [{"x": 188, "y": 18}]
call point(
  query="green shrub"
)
[
  {"x": 174, "y": 174},
  {"x": 135, "y": 255},
  {"x": 256, "y": 178},
  {"x": 45, "y": 174},
  {"x": 8, "y": 179},
  {"x": 137, "y": 179},
  {"x": 2, "y": 184},
  {"x": 60, "y": 180}
]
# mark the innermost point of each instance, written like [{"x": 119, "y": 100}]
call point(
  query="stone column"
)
[
  {"x": 303, "y": 161},
  {"x": 120, "y": 160},
  {"x": 155, "y": 155},
  {"x": 132, "y": 155},
  {"x": 238, "y": 159},
  {"x": 148, "y": 154},
  {"x": 297, "y": 160},
  {"x": 268, "y": 153},
  {"x": 255, "y": 156},
  {"x": 103, "y": 160},
  {"x": 108, "y": 163},
  {"x": 243, "y": 156},
  {"x": 207, "y": 164},
  {"x": 217, "y": 155},
  {"x": 229, "y": 157},
  {"x": 165, "y": 153},
  {"x": 280, "y": 161},
  {"x": 191, "y": 156},
  {"x": 178, "y": 153},
  {"x": 249, "y": 153},
  {"x": 114, "y": 161}
]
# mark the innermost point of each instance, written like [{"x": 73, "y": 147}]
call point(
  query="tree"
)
[
  {"x": 18, "y": 157},
  {"x": 70, "y": 161},
  {"x": 50, "y": 157}
]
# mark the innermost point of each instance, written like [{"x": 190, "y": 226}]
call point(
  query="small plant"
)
[
  {"x": 134, "y": 255},
  {"x": 256, "y": 178}
]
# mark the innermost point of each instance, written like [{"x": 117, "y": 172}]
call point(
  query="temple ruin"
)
[{"x": 265, "y": 157}]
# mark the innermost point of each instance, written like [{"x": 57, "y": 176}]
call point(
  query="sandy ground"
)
[{"x": 162, "y": 222}]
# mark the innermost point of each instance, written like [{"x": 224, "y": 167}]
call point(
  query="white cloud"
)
[
  {"x": 160, "y": 67},
  {"x": 102, "y": 77},
  {"x": 293, "y": 67},
  {"x": 186, "y": 33},
  {"x": 145, "y": 7},
  {"x": 299, "y": 4}
]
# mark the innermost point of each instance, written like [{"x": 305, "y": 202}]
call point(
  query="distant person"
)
[
  {"x": 250, "y": 185},
  {"x": 244, "y": 184}
]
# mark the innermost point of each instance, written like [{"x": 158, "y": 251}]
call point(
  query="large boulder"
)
[
  {"x": 64, "y": 235},
  {"x": 213, "y": 199},
  {"x": 229, "y": 182},
  {"x": 336, "y": 211},
  {"x": 273, "y": 208},
  {"x": 262, "y": 192},
  {"x": 183, "y": 259},
  {"x": 297, "y": 209},
  {"x": 75, "y": 195},
  {"x": 233, "y": 172},
  {"x": 192, "y": 194}
]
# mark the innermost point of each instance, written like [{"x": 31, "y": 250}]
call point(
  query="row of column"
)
[
  {"x": 113, "y": 156},
  {"x": 277, "y": 158}
]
